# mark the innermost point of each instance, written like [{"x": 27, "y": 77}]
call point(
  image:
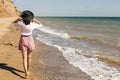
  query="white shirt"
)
[{"x": 26, "y": 29}]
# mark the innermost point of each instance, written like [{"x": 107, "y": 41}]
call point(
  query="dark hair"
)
[
  {"x": 27, "y": 16},
  {"x": 26, "y": 22}
]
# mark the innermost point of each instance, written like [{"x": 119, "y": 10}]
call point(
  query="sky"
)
[{"x": 104, "y": 8}]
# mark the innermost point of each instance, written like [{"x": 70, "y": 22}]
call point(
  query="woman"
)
[{"x": 26, "y": 23}]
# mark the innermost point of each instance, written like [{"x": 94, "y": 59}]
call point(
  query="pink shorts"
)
[{"x": 26, "y": 43}]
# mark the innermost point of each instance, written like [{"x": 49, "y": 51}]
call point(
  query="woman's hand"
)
[
  {"x": 37, "y": 21},
  {"x": 19, "y": 19}
]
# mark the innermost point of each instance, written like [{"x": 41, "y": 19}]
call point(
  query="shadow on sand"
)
[{"x": 11, "y": 69}]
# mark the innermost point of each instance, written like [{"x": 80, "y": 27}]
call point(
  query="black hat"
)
[{"x": 27, "y": 15}]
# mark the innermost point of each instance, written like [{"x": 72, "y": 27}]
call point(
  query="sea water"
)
[{"x": 90, "y": 43}]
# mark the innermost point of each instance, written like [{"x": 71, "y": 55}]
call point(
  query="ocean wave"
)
[
  {"x": 93, "y": 66},
  {"x": 108, "y": 59},
  {"x": 68, "y": 36},
  {"x": 99, "y": 40},
  {"x": 97, "y": 69},
  {"x": 94, "y": 39},
  {"x": 53, "y": 31}
]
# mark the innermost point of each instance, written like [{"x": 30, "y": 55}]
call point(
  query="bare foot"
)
[{"x": 26, "y": 77}]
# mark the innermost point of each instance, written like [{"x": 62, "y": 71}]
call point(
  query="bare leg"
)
[
  {"x": 24, "y": 53},
  {"x": 28, "y": 61}
]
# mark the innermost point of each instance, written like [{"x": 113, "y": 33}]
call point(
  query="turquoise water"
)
[{"x": 78, "y": 37}]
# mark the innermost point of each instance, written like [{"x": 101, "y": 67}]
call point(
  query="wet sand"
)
[{"x": 48, "y": 62}]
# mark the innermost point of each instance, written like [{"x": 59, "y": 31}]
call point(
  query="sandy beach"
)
[{"x": 48, "y": 62}]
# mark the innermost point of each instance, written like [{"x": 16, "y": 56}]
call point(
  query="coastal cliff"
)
[{"x": 7, "y": 9}]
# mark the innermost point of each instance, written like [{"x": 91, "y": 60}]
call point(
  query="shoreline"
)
[
  {"x": 52, "y": 66},
  {"x": 49, "y": 64}
]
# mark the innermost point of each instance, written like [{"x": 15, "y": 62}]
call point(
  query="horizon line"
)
[{"x": 83, "y": 16}]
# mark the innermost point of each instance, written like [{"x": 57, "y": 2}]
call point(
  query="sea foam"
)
[
  {"x": 52, "y": 31},
  {"x": 97, "y": 69}
]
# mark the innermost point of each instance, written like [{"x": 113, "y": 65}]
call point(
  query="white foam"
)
[
  {"x": 52, "y": 31},
  {"x": 92, "y": 66},
  {"x": 96, "y": 69}
]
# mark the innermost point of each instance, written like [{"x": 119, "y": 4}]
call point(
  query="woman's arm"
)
[
  {"x": 15, "y": 21},
  {"x": 37, "y": 21},
  {"x": 18, "y": 19}
]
